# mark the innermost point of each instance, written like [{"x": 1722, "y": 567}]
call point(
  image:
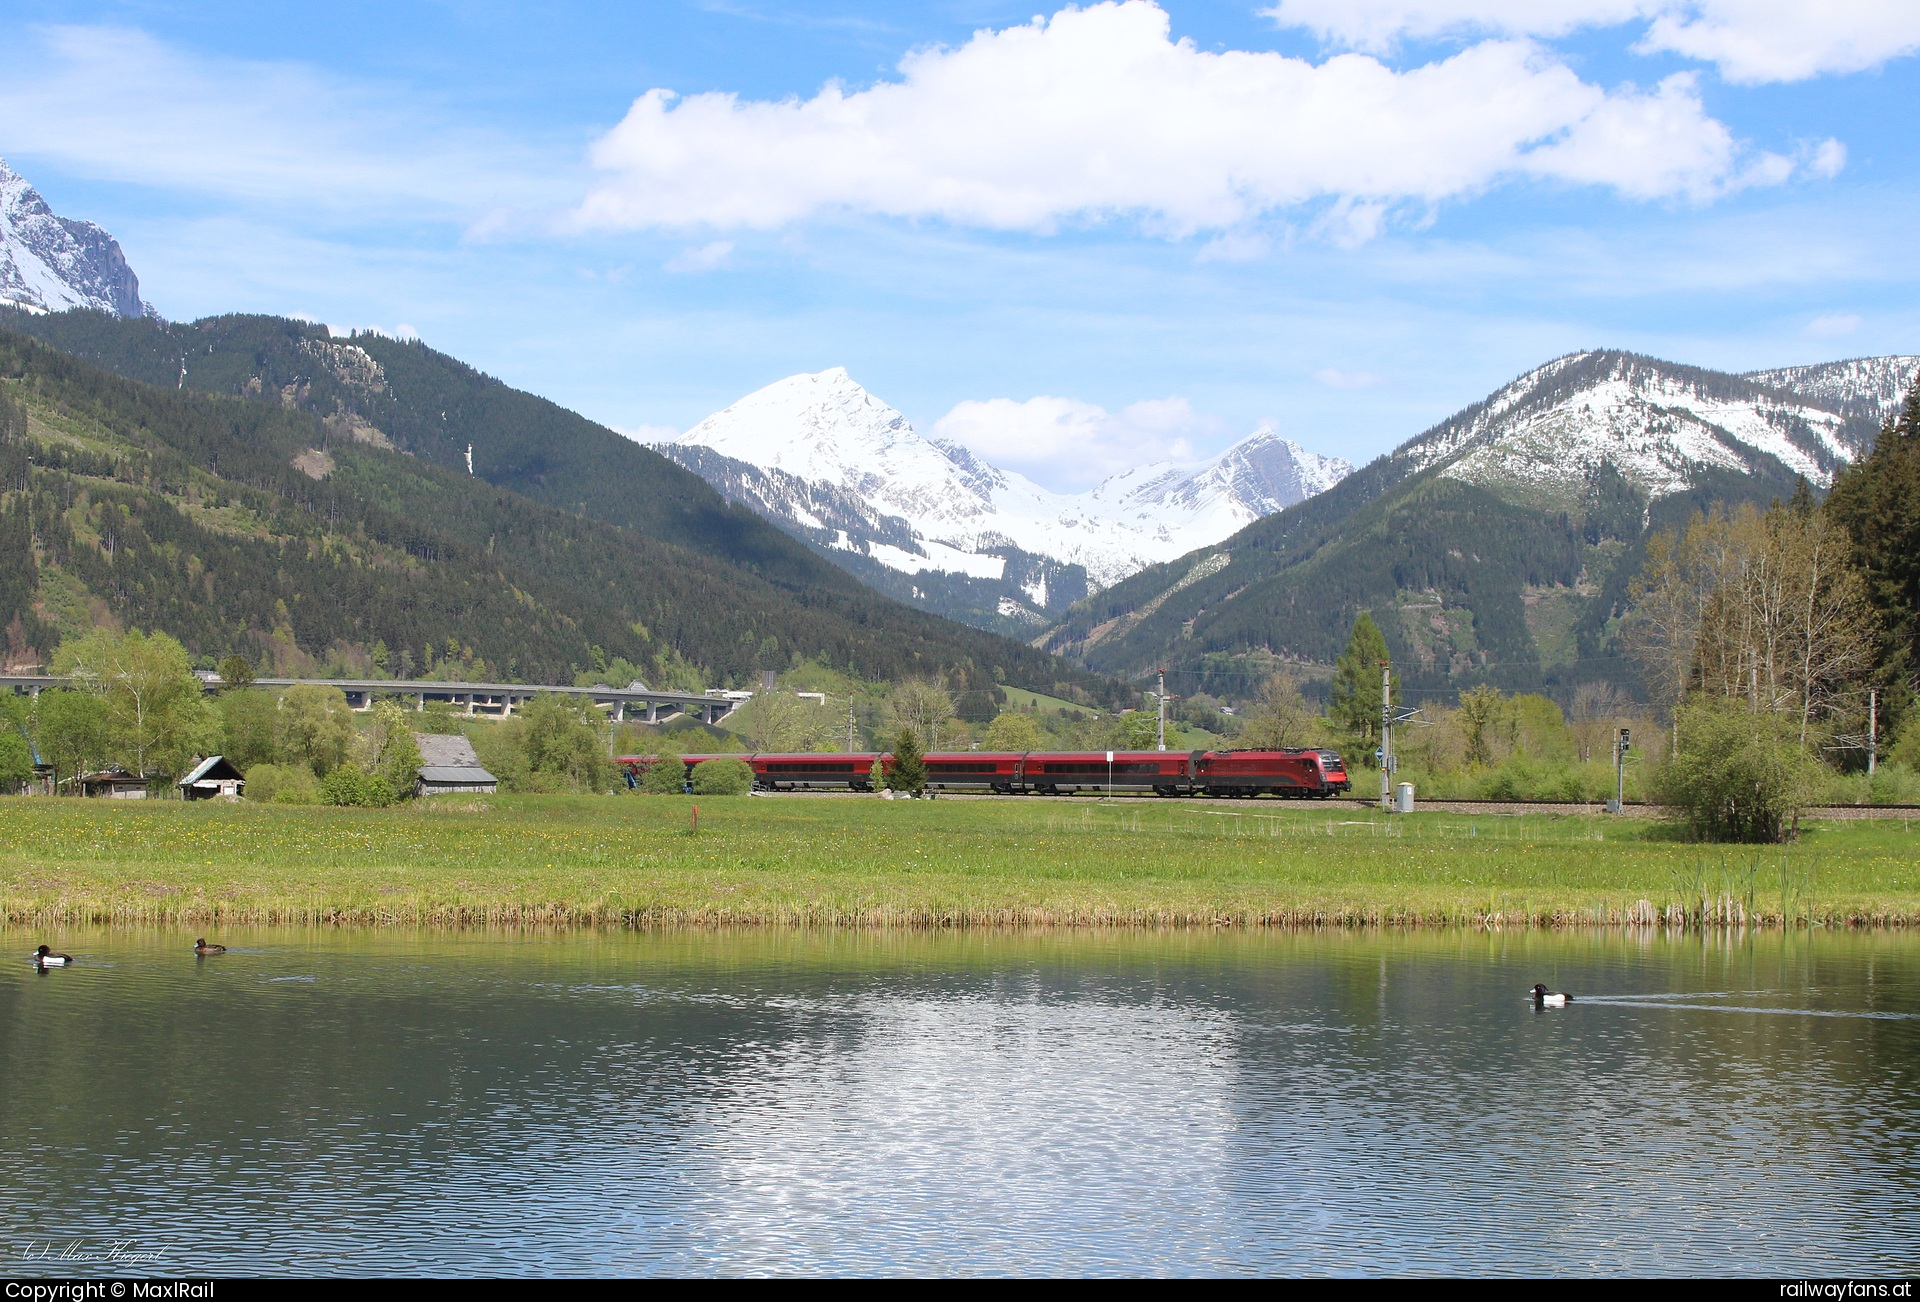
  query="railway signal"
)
[{"x": 1621, "y": 745}]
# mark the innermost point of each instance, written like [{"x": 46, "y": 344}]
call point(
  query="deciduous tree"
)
[
  {"x": 1012, "y": 730},
  {"x": 777, "y": 721},
  {"x": 392, "y": 752},
  {"x": 1779, "y": 614},
  {"x": 70, "y": 727},
  {"x": 247, "y": 723},
  {"x": 1280, "y": 717},
  {"x": 924, "y": 706},
  {"x": 565, "y": 739},
  {"x": 315, "y": 727},
  {"x": 157, "y": 715}
]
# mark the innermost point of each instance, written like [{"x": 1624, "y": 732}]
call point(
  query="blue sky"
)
[{"x": 1152, "y": 228}]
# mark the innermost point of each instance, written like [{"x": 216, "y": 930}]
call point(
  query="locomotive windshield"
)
[{"x": 1331, "y": 759}]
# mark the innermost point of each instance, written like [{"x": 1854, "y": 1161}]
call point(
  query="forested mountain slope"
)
[
  {"x": 1495, "y": 547},
  {"x": 257, "y": 527},
  {"x": 402, "y": 394}
]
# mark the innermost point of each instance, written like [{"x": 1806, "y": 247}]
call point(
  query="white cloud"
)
[
  {"x": 1659, "y": 143},
  {"x": 1833, "y": 324},
  {"x": 1788, "y": 40},
  {"x": 1828, "y": 158},
  {"x": 114, "y": 102},
  {"x": 705, "y": 258},
  {"x": 1096, "y": 112},
  {"x": 1065, "y": 443},
  {"x": 1750, "y": 40}
]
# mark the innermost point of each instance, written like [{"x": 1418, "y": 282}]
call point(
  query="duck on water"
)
[
  {"x": 45, "y": 957},
  {"x": 1544, "y": 998},
  {"x": 202, "y": 948}
]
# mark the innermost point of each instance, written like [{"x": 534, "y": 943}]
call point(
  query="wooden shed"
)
[
  {"x": 449, "y": 764},
  {"x": 114, "y": 783},
  {"x": 213, "y": 776}
]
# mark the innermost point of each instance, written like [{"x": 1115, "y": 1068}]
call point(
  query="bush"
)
[
  {"x": 1513, "y": 780},
  {"x": 667, "y": 777},
  {"x": 1891, "y": 784},
  {"x": 1566, "y": 784},
  {"x": 16, "y": 758},
  {"x": 722, "y": 777},
  {"x": 282, "y": 784},
  {"x": 352, "y": 785},
  {"x": 1738, "y": 775}
]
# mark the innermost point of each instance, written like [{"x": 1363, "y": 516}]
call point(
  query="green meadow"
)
[{"x": 633, "y": 860}]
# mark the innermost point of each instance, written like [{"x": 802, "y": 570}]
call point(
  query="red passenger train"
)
[{"x": 1306, "y": 773}]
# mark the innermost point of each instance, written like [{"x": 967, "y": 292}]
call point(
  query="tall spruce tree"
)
[
  {"x": 1877, "y": 500},
  {"x": 909, "y": 771},
  {"x": 1354, "y": 705}
]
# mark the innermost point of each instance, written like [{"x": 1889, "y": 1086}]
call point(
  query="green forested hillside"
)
[
  {"x": 260, "y": 528},
  {"x": 400, "y": 393},
  {"x": 1467, "y": 586}
]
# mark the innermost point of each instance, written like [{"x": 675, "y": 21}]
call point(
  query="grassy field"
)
[{"x": 633, "y": 860}]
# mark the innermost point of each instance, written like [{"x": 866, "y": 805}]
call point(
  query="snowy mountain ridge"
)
[
  {"x": 1660, "y": 424},
  {"x": 932, "y": 505},
  {"x": 50, "y": 263}
]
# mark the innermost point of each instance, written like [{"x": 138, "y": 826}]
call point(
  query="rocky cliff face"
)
[{"x": 50, "y": 263}]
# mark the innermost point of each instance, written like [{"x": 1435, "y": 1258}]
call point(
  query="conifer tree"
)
[
  {"x": 1354, "y": 705},
  {"x": 909, "y": 772},
  {"x": 1877, "y": 501}
]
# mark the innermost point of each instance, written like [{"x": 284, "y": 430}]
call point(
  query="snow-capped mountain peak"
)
[
  {"x": 839, "y": 445},
  {"x": 1659, "y": 424},
  {"x": 827, "y": 429},
  {"x": 49, "y": 263}
]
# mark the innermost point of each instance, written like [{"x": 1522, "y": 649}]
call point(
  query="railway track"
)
[{"x": 1634, "y": 809}]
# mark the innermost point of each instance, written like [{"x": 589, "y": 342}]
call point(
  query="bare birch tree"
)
[
  {"x": 1280, "y": 717},
  {"x": 1763, "y": 608},
  {"x": 924, "y": 706}
]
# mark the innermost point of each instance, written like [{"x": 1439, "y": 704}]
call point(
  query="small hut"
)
[
  {"x": 213, "y": 776},
  {"x": 449, "y": 764},
  {"x": 114, "y": 783}
]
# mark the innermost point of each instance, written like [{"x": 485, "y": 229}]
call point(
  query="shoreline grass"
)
[{"x": 630, "y": 861}]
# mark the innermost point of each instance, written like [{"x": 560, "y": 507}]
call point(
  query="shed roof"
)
[
  {"x": 446, "y": 752},
  {"x": 214, "y": 768},
  {"x": 461, "y": 774}
]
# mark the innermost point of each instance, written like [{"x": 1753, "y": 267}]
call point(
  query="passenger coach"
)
[{"x": 1298, "y": 774}]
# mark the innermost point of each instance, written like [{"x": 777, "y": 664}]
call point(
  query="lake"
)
[{"x": 377, "y": 1102}]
